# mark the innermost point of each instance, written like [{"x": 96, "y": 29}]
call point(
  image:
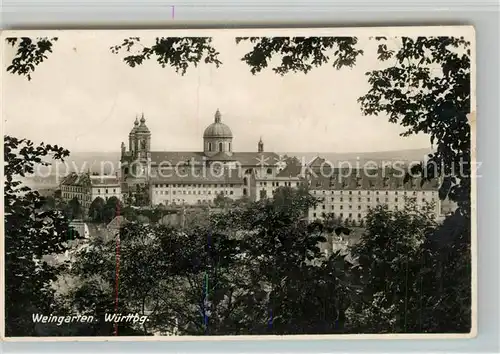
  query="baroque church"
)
[{"x": 195, "y": 177}]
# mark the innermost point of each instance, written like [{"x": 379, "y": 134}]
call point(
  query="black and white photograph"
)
[{"x": 239, "y": 183}]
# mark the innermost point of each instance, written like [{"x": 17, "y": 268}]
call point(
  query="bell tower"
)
[{"x": 142, "y": 139}]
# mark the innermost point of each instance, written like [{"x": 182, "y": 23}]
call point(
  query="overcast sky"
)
[{"x": 86, "y": 99}]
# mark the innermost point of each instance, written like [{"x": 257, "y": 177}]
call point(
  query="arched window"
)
[
  {"x": 229, "y": 147},
  {"x": 220, "y": 146},
  {"x": 209, "y": 146},
  {"x": 269, "y": 171},
  {"x": 244, "y": 191},
  {"x": 245, "y": 181}
]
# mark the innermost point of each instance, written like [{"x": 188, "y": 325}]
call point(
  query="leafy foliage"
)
[
  {"x": 30, "y": 53},
  {"x": 111, "y": 209},
  {"x": 31, "y": 233},
  {"x": 96, "y": 209},
  {"x": 427, "y": 90},
  {"x": 300, "y": 54},
  {"x": 214, "y": 278},
  {"x": 389, "y": 256},
  {"x": 75, "y": 210},
  {"x": 177, "y": 52},
  {"x": 221, "y": 201}
]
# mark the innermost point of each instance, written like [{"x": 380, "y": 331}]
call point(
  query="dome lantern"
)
[{"x": 217, "y": 116}]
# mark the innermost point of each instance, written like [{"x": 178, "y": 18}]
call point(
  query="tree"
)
[
  {"x": 49, "y": 202},
  {"x": 142, "y": 268},
  {"x": 112, "y": 208},
  {"x": 221, "y": 201},
  {"x": 75, "y": 209},
  {"x": 243, "y": 272},
  {"x": 30, "y": 53},
  {"x": 390, "y": 255},
  {"x": 427, "y": 90},
  {"x": 162, "y": 274},
  {"x": 280, "y": 252},
  {"x": 96, "y": 209},
  {"x": 176, "y": 52},
  {"x": 30, "y": 234},
  {"x": 57, "y": 194},
  {"x": 141, "y": 195}
]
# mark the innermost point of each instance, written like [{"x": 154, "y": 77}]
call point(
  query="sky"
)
[{"x": 85, "y": 98}]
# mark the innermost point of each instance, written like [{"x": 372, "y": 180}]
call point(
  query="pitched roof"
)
[
  {"x": 370, "y": 179},
  {"x": 190, "y": 175},
  {"x": 257, "y": 158},
  {"x": 85, "y": 180},
  {"x": 290, "y": 171},
  {"x": 75, "y": 179},
  {"x": 104, "y": 180},
  {"x": 173, "y": 158}
]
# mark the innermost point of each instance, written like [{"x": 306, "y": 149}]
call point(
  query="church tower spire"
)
[{"x": 260, "y": 145}]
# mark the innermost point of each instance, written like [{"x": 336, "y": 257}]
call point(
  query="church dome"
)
[{"x": 217, "y": 129}]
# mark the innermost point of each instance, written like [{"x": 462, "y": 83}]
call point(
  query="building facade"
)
[
  {"x": 349, "y": 195},
  {"x": 195, "y": 177},
  {"x": 86, "y": 187},
  {"x": 198, "y": 177}
]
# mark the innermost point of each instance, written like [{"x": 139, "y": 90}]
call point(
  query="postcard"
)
[{"x": 229, "y": 184}]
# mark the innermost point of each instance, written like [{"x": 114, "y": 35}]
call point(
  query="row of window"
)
[
  {"x": 183, "y": 201},
  {"x": 368, "y": 192},
  {"x": 194, "y": 185},
  {"x": 74, "y": 189},
  {"x": 277, "y": 184},
  {"x": 189, "y": 192},
  {"x": 77, "y": 195},
  {"x": 349, "y": 215},
  {"x": 221, "y": 147},
  {"x": 106, "y": 191},
  {"x": 395, "y": 200},
  {"x": 341, "y": 207},
  {"x": 341, "y": 215}
]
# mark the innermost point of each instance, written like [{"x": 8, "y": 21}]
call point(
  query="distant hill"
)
[
  {"x": 84, "y": 162},
  {"x": 108, "y": 162}
]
